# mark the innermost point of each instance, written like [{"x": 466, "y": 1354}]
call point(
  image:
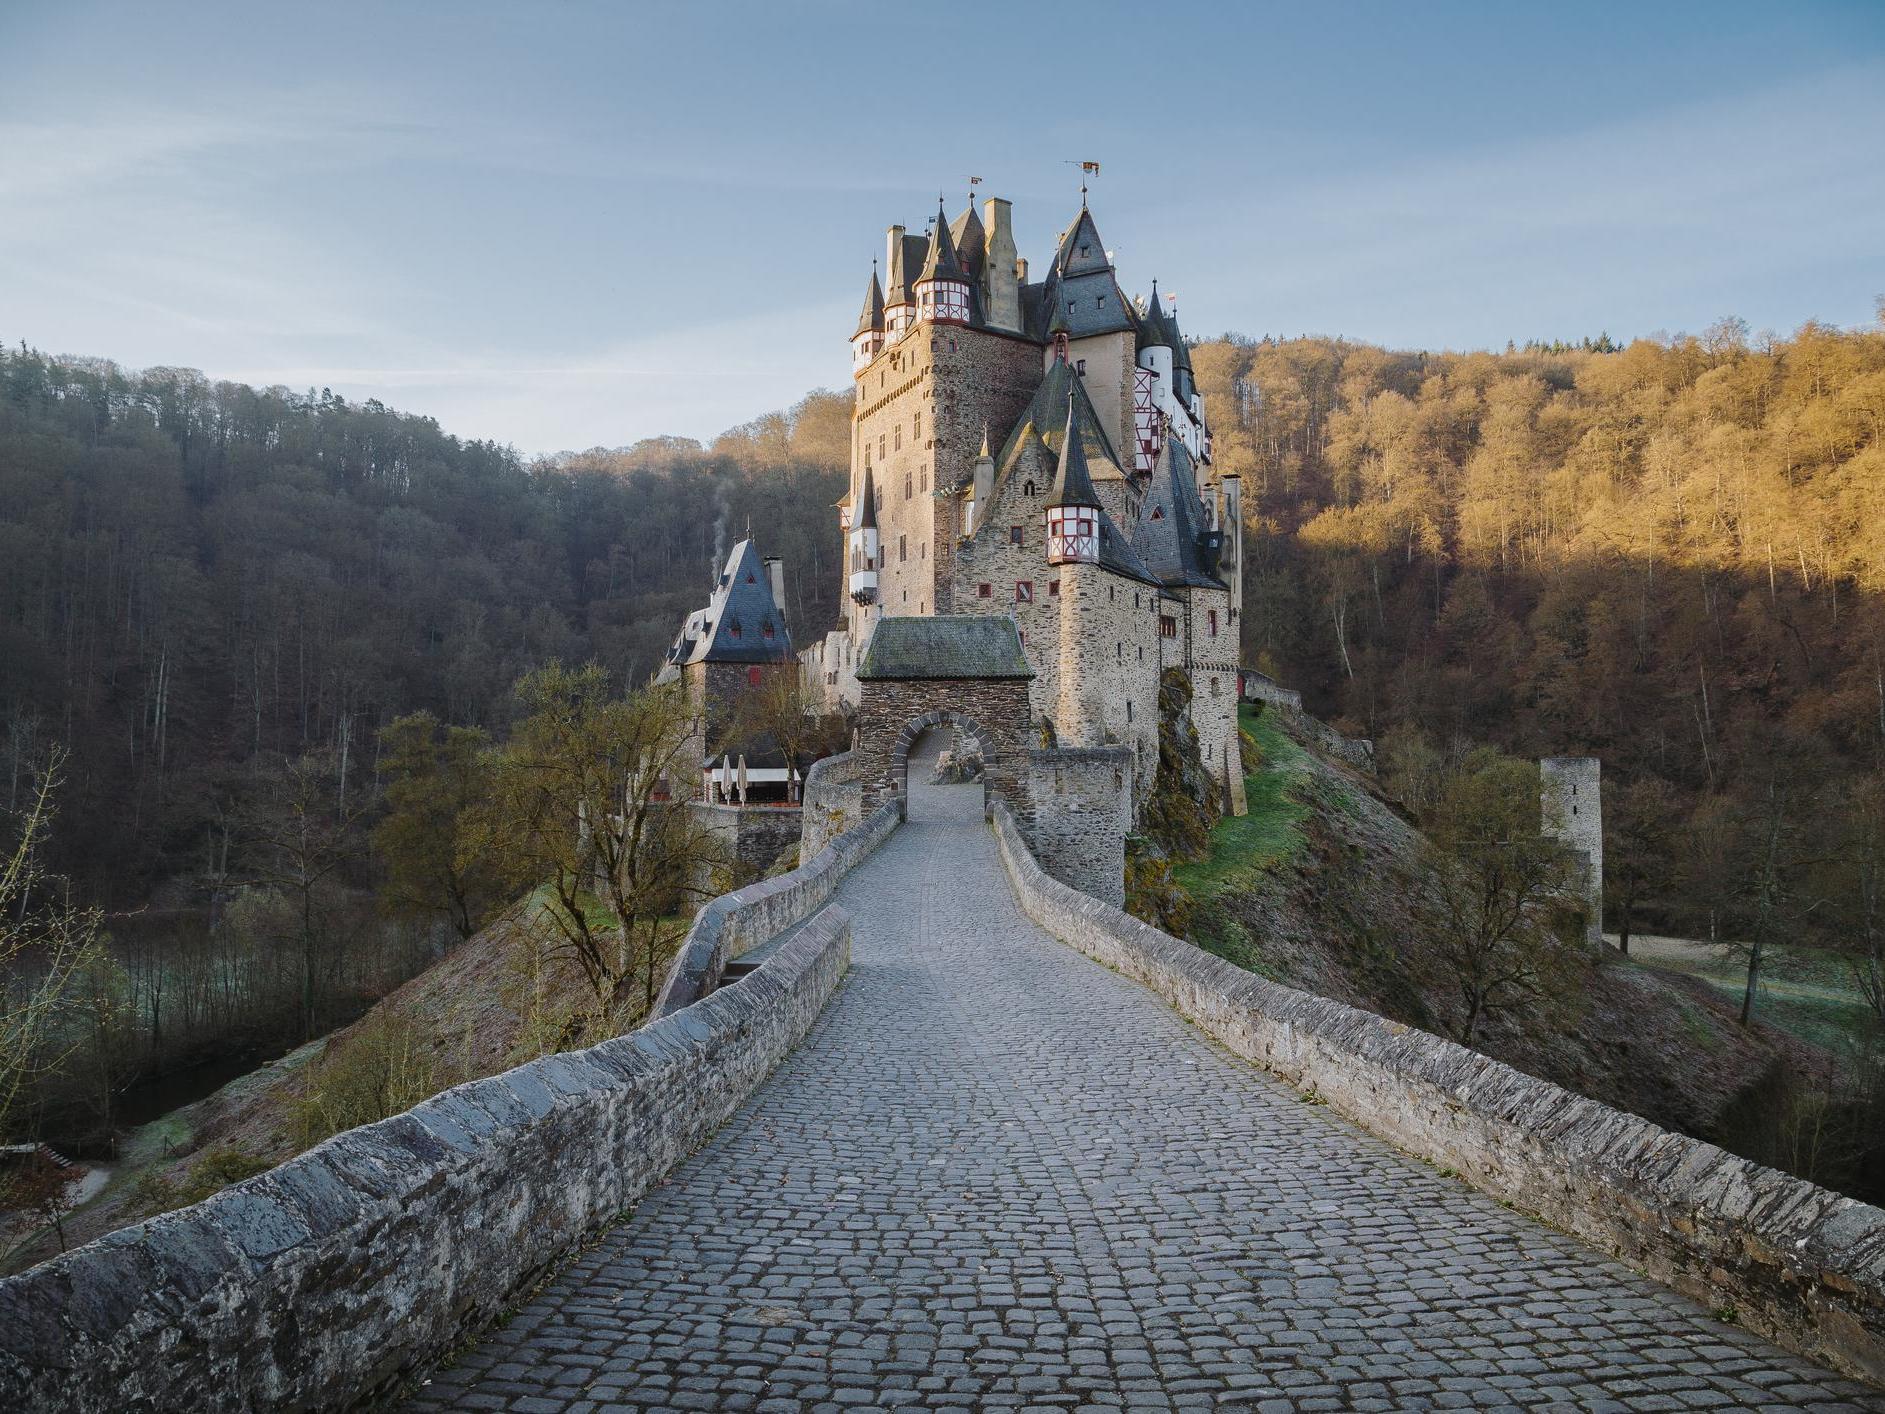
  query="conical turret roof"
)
[
  {"x": 867, "y": 513},
  {"x": 872, "y": 319},
  {"x": 1073, "y": 486},
  {"x": 942, "y": 263},
  {"x": 1154, "y": 331}
]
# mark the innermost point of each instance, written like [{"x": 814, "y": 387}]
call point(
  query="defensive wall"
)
[
  {"x": 352, "y": 1266},
  {"x": 1797, "y": 1263}
]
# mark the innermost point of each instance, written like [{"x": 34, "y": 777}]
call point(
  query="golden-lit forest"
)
[{"x": 1670, "y": 555}]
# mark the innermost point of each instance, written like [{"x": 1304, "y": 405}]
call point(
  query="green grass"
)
[
  {"x": 1808, "y": 992},
  {"x": 1242, "y": 847}
]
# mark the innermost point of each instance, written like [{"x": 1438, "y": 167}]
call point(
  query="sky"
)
[{"x": 562, "y": 225}]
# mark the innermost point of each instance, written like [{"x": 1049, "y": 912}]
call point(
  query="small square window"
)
[
  {"x": 1024, "y": 591},
  {"x": 1017, "y": 534},
  {"x": 1053, "y": 589},
  {"x": 984, "y": 591}
]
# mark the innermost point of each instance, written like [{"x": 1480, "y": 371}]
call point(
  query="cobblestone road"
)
[{"x": 997, "y": 1175}]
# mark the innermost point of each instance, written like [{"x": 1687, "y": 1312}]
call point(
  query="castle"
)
[{"x": 1038, "y": 450}]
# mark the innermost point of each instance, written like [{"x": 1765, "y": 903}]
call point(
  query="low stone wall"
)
[
  {"x": 1801, "y": 1265},
  {"x": 833, "y": 801},
  {"x": 750, "y": 837},
  {"x": 738, "y": 922},
  {"x": 315, "y": 1284}
]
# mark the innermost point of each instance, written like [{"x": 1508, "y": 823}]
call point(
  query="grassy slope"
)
[
  {"x": 1321, "y": 887},
  {"x": 1809, "y": 992}
]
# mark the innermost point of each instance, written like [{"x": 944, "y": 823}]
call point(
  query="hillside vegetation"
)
[
  {"x": 1327, "y": 886},
  {"x": 1671, "y": 556}
]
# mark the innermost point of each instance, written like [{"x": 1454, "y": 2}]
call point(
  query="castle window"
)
[
  {"x": 1167, "y": 626},
  {"x": 1027, "y": 488},
  {"x": 766, "y": 630},
  {"x": 1141, "y": 652},
  {"x": 733, "y": 628},
  {"x": 1158, "y": 513},
  {"x": 898, "y": 433},
  {"x": 1017, "y": 535},
  {"x": 1112, "y": 593},
  {"x": 880, "y": 446},
  {"x": 1024, "y": 591},
  {"x": 984, "y": 591},
  {"x": 1135, "y": 598},
  {"x": 922, "y": 551},
  {"x": 1053, "y": 589},
  {"x": 907, "y": 492},
  {"x": 1214, "y": 687},
  {"x": 1129, "y": 719},
  {"x": 922, "y": 479},
  {"x": 1210, "y": 618},
  {"x": 916, "y": 425},
  {"x": 1079, "y": 366},
  {"x": 1119, "y": 652},
  {"x": 903, "y": 548}
]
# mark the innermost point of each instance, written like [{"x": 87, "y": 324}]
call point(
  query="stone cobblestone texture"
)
[{"x": 997, "y": 1175}]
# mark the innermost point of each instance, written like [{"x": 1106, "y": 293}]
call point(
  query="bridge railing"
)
[
  {"x": 736, "y": 923},
  {"x": 326, "y": 1279},
  {"x": 1795, "y": 1262}
]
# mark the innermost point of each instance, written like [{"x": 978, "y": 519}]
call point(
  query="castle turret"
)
[
  {"x": 1073, "y": 518},
  {"x": 868, "y": 341},
  {"x": 864, "y": 544},
  {"x": 899, "y": 304},
  {"x": 1155, "y": 341},
  {"x": 942, "y": 290}
]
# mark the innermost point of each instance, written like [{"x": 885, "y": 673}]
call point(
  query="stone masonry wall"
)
[
  {"x": 734, "y": 924},
  {"x": 1574, "y": 813},
  {"x": 750, "y": 837},
  {"x": 322, "y": 1281},
  {"x": 834, "y": 802},
  {"x": 1077, "y": 814},
  {"x": 998, "y": 707},
  {"x": 1801, "y": 1265}
]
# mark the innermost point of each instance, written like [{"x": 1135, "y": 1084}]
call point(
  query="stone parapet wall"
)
[
  {"x": 833, "y": 799},
  {"x": 736, "y": 923},
  {"x": 1795, "y": 1262},
  {"x": 328, "y": 1278}
]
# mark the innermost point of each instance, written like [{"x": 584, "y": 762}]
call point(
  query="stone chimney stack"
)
[
  {"x": 775, "y": 575},
  {"x": 1001, "y": 290}
]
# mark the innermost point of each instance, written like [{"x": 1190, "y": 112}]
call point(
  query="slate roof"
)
[
  {"x": 732, "y": 628},
  {"x": 941, "y": 263},
  {"x": 873, "y": 315},
  {"x": 867, "y": 513},
  {"x": 1072, "y": 486},
  {"x": 1171, "y": 520},
  {"x": 944, "y": 646}
]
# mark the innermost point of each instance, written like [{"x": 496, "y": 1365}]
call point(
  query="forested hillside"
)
[
  {"x": 1671, "y": 556},
  {"x": 200, "y": 581}
]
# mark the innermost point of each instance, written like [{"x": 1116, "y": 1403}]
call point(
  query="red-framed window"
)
[
  {"x": 1167, "y": 626},
  {"x": 1024, "y": 591},
  {"x": 984, "y": 591}
]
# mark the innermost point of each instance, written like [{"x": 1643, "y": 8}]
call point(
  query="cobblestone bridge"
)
[{"x": 997, "y": 1175}]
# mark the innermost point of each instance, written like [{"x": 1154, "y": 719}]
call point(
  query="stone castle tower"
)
[{"x": 1038, "y": 449}]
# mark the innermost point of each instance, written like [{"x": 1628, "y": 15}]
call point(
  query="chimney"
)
[
  {"x": 1001, "y": 293},
  {"x": 775, "y": 574}
]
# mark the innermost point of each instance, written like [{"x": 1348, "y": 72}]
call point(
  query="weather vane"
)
[{"x": 1087, "y": 169}]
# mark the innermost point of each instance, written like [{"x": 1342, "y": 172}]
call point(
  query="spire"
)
[
  {"x": 867, "y": 513},
  {"x": 1154, "y": 330},
  {"x": 942, "y": 263},
  {"x": 1072, "y": 484},
  {"x": 872, "y": 319},
  {"x": 984, "y": 454}
]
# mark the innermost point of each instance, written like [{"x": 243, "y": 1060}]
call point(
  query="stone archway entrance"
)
[
  {"x": 916, "y": 757},
  {"x": 964, "y": 674}
]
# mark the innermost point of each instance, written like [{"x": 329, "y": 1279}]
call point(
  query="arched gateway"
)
[{"x": 965, "y": 671}]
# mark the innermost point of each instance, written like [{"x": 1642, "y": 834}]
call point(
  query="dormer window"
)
[
  {"x": 766, "y": 631},
  {"x": 733, "y": 628},
  {"x": 1158, "y": 513}
]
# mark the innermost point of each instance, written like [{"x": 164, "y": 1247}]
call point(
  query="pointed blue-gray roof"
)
[
  {"x": 1171, "y": 522},
  {"x": 741, "y": 623}
]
